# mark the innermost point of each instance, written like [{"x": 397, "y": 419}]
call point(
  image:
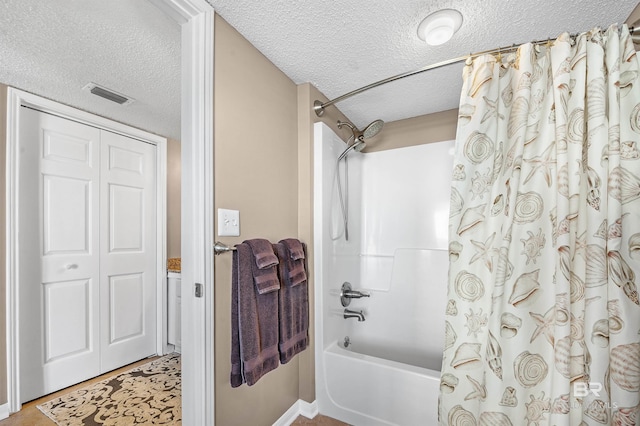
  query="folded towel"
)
[
  {"x": 265, "y": 273},
  {"x": 297, "y": 274},
  {"x": 254, "y": 322},
  {"x": 295, "y": 248},
  {"x": 294, "y": 254},
  {"x": 263, "y": 252},
  {"x": 293, "y": 306}
]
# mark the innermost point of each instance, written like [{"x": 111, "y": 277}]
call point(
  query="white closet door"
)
[
  {"x": 87, "y": 261},
  {"x": 59, "y": 253},
  {"x": 128, "y": 250}
]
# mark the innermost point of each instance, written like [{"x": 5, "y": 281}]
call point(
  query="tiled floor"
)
[
  {"x": 31, "y": 416},
  {"x": 318, "y": 420}
]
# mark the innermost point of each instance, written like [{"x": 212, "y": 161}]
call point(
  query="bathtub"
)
[
  {"x": 367, "y": 390},
  {"x": 388, "y": 374}
]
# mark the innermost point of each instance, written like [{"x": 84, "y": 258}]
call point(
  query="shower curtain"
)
[{"x": 542, "y": 319}]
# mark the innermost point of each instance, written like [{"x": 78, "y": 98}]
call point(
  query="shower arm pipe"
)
[{"x": 319, "y": 106}]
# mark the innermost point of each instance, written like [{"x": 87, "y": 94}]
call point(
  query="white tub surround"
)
[{"x": 388, "y": 374}]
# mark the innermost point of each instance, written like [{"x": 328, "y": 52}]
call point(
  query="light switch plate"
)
[{"x": 228, "y": 223}]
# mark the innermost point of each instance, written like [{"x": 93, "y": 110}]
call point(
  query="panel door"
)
[
  {"x": 58, "y": 263},
  {"x": 128, "y": 250}
]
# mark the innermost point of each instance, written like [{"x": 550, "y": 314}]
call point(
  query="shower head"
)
[
  {"x": 373, "y": 129},
  {"x": 370, "y": 131},
  {"x": 358, "y": 137}
]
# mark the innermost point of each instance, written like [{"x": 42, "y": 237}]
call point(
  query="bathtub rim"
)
[{"x": 336, "y": 349}]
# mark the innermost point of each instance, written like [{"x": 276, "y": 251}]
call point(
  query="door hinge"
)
[{"x": 198, "y": 290}]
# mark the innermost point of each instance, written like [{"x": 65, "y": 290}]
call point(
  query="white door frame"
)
[
  {"x": 197, "y": 19},
  {"x": 15, "y": 100}
]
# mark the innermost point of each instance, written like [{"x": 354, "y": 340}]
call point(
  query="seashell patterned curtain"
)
[{"x": 543, "y": 321}]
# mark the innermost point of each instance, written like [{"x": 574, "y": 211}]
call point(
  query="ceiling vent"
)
[{"x": 108, "y": 94}]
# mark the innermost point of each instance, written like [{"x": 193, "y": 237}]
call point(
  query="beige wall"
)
[
  {"x": 634, "y": 18},
  {"x": 437, "y": 127},
  {"x": 256, "y": 173},
  {"x": 3, "y": 315},
  {"x": 263, "y": 167},
  {"x": 173, "y": 198}
]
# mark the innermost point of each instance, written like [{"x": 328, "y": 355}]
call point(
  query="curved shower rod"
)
[{"x": 319, "y": 106}]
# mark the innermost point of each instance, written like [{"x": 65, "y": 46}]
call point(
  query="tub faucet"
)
[
  {"x": 354, "y": 294},
  {"x": 353, "y": 314},
  {"x": 347, "y": 293}
]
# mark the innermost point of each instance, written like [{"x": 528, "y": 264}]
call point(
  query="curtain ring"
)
[{"x": 469, "y": 60}]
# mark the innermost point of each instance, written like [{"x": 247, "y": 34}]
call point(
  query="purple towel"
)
[
  {"x": 265, "y": 273},
  {"x": 296, "y": 271},
  {"x": 263, "y": 252},
  {"x": 254, "y": 322},
  {"x": 293, "y": 306},
  {"x": 295, "y": 248}
]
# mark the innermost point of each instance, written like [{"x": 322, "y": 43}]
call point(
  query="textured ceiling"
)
[
  {"x": 55, "y": 47},
  {"x": 340, "y": 46}
]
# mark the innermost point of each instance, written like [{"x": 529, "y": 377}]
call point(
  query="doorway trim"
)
[
  {"x": 197, "y": 234},
  {"x": 15, "y": 100}
]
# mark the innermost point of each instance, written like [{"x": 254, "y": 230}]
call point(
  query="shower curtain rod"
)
[{"x": 319, "y": 106}]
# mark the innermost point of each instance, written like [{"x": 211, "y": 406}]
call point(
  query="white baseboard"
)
[
  {"x": 299, "y": 408},
  {"x": 308, "y": 409},
  {"x": 4, "y": 411}
]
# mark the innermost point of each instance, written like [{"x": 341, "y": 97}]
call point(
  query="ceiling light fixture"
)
[{"x": 440, "y": 26}]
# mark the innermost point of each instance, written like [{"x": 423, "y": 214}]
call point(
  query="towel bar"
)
[{"x": 219, "y": 248}]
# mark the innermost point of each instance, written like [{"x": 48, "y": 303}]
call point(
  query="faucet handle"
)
[
  {"x": 355, "y": 294},
  {"x": 347, "y": 293}
]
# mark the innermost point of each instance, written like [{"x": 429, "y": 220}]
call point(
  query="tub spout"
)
[{"x": 353, "y": 314}]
